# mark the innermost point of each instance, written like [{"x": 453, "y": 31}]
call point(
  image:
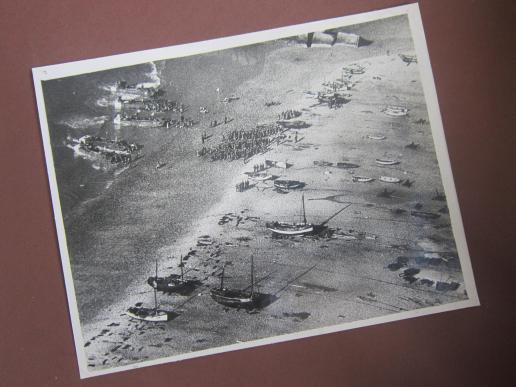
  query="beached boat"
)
[
  {"x": 388, "y": 179},
  {"x": 296, "y": 124},
  {"x": 386, "y": 162},
  {"x": 288, "y": 184},
  {"x": 362, "y": 179},
  {"x": 344, "y": 165},
  {"x": 149, "y": 314},
  {"x": 174, "y": 283},
  {"x": 395, "y": 111},
  {"x": 235, "y": 298},
  {"x": 260, "y": 176},
  {"x": 288, "y": 228},
  {"x": 375, "y": 137}
]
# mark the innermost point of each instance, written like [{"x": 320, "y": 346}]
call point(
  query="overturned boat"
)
[
  {"x": 288, "y": 228},
  {"x": 236, "y": 298}
]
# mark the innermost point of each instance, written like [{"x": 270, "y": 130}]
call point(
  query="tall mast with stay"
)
[
  {"x": 252, "y": 275},
  {"x": 155, "y": 295},
  {"x": 304, "y": 214}
]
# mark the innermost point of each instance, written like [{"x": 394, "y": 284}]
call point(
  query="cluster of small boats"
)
[
  {"x": 178, "y": 284},
  {"x": 115, "y": 151}
]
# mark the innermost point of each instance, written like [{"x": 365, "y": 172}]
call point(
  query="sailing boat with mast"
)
[
  {"x": 149, "y": 314},
  {"x": 236, "y": 298},
  {"x": 291, "y": 228},
  {"x": 174, "y": 283}
]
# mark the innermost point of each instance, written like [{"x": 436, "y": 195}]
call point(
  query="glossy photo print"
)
[{"x": 250, "y": 190}]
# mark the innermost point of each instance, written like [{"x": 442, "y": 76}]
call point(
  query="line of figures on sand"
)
[{"x": 242, "y": 143}]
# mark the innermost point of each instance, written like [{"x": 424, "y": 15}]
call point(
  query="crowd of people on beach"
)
[
  {"x": 289, "y": 114},
  {"x": 239, "y": 144}
]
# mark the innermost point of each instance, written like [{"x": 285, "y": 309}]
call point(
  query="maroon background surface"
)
[{"x": 472, "y": 49}]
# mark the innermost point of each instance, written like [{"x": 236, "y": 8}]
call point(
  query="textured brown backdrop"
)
[{"x": 471, "y": 46}]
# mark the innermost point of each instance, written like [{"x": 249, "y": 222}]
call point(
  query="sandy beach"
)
[{"x": 350, "y": 273}]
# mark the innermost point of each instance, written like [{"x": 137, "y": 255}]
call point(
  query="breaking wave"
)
[{"x": 84, "y": 122}]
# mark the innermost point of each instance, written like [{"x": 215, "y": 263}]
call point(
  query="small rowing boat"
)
[
  {"x": 260, "y": 176},
  {"x": 395, "y": 111},
  {"x": 374, "y": 137},
  {"x": 386, "y": 162},
  {"x": 362, "y": 179},
  {"x": 388, "y": 179}
]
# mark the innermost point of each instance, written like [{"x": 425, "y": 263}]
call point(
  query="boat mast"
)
[
  {"x": 304, "y": 214},
  {"x": 181, "y": 266},
  {"x": 252, "y": 276},
  {"x": 155, "y": 293},
  {"x": 222, "y": 277}
]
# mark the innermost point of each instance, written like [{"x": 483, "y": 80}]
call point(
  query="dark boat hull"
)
[
  {"x": 234, "y": 299},
  {"x": 172, "y": 284}
]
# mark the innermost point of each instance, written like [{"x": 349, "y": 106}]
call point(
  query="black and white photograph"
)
[{"x": 253, "y": 189}]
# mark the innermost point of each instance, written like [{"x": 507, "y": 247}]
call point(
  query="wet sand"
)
[{"x": 312, "y": 281}]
